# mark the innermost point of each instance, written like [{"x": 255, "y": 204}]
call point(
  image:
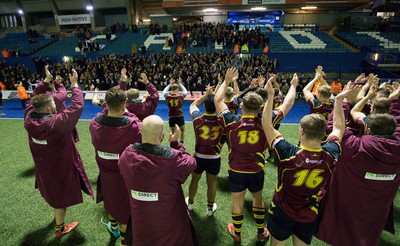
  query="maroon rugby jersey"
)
[
  {"x": 174, "y": 102},
  {"x": 247, "y": 143},
  {"x": 232, "y": 106},
  {"x": 303, "y": 176},
  {"x": 318, "y": 107},
  {"x": 208, "y": 129},
  {"x": 278, "y": 101}
]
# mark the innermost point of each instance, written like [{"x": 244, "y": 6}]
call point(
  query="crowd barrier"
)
[{"x": 88, "y": 95}]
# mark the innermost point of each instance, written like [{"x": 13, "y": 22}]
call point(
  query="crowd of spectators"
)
[
  {"x": 228, "y": 35},
  {"x": 195, "y": 70}
]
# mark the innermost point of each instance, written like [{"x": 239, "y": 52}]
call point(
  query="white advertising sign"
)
[{"x": 74, "y": 19}]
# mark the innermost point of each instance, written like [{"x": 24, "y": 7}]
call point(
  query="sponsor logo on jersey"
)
[
  {"x": 108, "y": 156},
  {"x": 39, "y": 141},
  {"x": 380, "y": 176},
  {"x": 144, "y": 196}
]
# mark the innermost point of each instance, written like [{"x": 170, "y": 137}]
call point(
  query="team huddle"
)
[{"x": 337, "y": 184}]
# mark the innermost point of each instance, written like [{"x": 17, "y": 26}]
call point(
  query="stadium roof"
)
[{"x": 188, "y": 7}]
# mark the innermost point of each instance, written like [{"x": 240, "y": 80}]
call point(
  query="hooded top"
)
[
  {"x": 60, "y": 174},
  {"x": 362, "y": 190}
]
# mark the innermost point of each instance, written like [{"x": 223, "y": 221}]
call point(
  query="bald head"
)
[{"x": 152, "y": 130}]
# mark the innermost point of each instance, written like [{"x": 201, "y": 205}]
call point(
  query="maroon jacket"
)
[
  {"x": 60, "y": 174},
  {"x": 362, "y": 190},
  {"x": 110, "y": 136},
  {"x": 153, "y": 176},
  {"x": 146, "y": 108}
]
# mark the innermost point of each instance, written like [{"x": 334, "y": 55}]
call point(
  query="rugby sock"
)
[
  {"x": 210, "y": 205},
  {"x": 237, "y": 222},
  {"x": 114, "y": 223},
  {"x": 259, "y": 215},
  {"x": 191, "y": 201},
  {"x": 122, "y": 235},
  {"x": 60, "y": 228}
]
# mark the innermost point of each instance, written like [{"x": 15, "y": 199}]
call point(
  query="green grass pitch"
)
[{"x": 25, "y": 219}]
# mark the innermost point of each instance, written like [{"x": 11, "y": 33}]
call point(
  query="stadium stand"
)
[
  {"x": 377, "y": 41},
  {"x": 20, "y": 42}
]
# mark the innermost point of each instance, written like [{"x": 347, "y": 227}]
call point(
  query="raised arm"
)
[
  {"x": 42, "y": 87},
  {"x": 123, "y": 79},
  {"x": 236, "y": 88},
  {"x": 361, "y": 79},
  {"x": 196, "y": 103},
  {"x": 231, "y": 74},
  {"x": 166, "y": 90},
  {"x": 182, "y": 87},
  {"x": 219, "y": 83},
  {"x": 269, "y": 130},
  {"x": 339, "y": 122},
  {"x": 70, "y": 116},
  {"x": 356, "y": 111},
  {"x": 95, "y": 100},
  {"x": 307, "y": 89},
  {"x": 290, "y": 96}
]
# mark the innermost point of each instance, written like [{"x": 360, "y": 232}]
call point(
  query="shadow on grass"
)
[
  {"x": 223, "y": 184},
  {"x": 39, "y": 237},
  {"x": 208, "y": 234},
  {"x": 385, "y": 242},
  {"x": 30, "y": 172}
]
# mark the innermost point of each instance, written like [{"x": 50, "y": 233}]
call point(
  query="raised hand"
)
[
  {"x": 209, "y": 89},
  {"x": 73, "y": 77},
  {"x": 143, "y": 78},
  {"x": 295, "y": 80},
  {"x": 174, "y": 136},
  {"x": 269, "y": 88},
  {"x": 231, "y": 74},
  {"x": 124, "y": 77},
  {"x": 261, "y": 81},
  {"x": 49, "y": 77},
  {"x": 219, "y": 78},
  {"x": 372, "y": 91},
  {"x": 350, "y": 91}
]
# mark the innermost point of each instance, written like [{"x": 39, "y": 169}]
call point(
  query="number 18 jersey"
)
[{"x": 247, "y": 143}]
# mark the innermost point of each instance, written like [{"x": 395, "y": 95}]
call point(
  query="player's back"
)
[
  {"x": 174, "y": 102},
  {"x": 247, "y": 142},
  {"x": 208, "y": 130},
  {"x": 303, "y": 174}
]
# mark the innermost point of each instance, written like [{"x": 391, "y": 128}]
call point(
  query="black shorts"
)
[
  {"x": 211, "y": 166},
  {"x": 282, "y": 227},
  {"x": 239, "y": 182},
  {"x": 176, "y": 120}
]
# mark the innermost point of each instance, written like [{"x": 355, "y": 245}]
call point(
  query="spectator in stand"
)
[
  {"x": 108, "y": 37},
  {"x": 143, "y": 48},
  {"x": 336, "y": 86},
  {"x": 23, "y": 95},
  {"x": 5, "y": 53}
]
